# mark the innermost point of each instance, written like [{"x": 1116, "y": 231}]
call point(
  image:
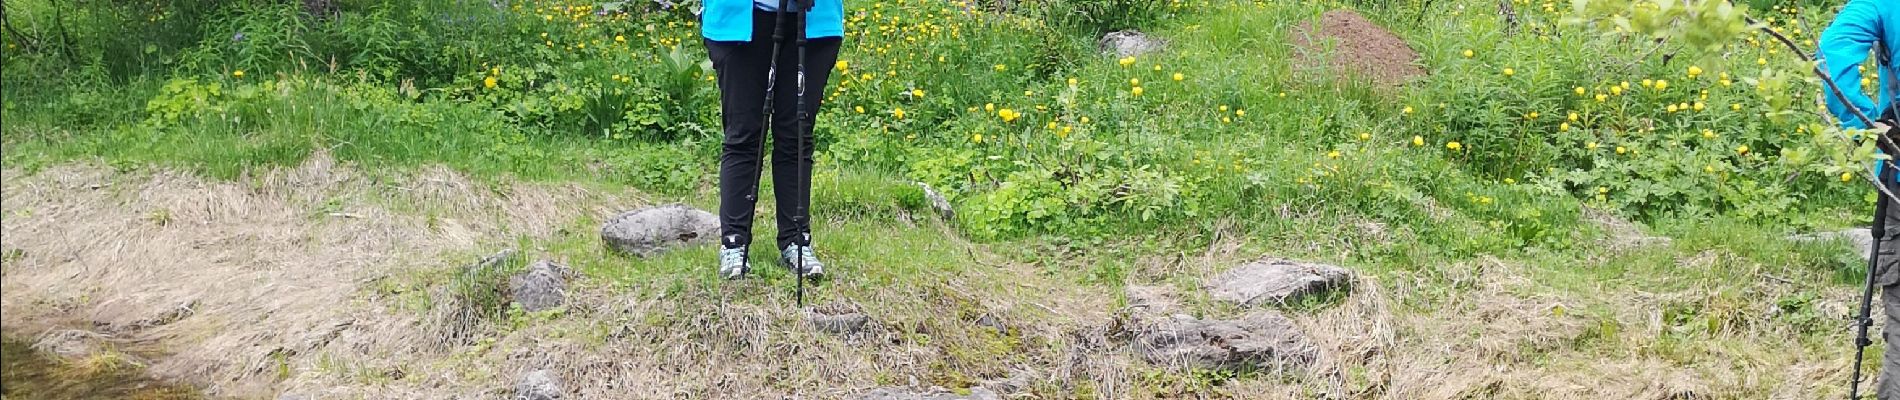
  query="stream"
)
[{"x": 28, "y": 375}]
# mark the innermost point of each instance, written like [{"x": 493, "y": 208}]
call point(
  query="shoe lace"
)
[
  {"x": 804, "y": 254},
  {"x": 732, "y": 256}
]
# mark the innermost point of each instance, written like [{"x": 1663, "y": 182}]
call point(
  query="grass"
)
[{"x": 1510, "y": 277}]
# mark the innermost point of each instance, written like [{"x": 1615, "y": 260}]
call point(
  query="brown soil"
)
[{"x": 1347, "y": 45}]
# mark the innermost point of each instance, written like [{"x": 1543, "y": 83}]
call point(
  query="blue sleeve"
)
[{"x": 1844, "y": 47}]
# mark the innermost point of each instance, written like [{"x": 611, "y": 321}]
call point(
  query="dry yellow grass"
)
[{"x": 276, "y": 282}]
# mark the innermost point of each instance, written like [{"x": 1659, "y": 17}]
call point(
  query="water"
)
[{"x": 26, "y": 375}]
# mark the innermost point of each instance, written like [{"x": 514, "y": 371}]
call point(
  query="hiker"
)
[
  {"x": 738, "y": 38},
  {"x": 1860, "y": 27}
]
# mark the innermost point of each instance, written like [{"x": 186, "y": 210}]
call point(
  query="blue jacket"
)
[
  {"x": 731, "y": 20},
  {"x": 1845, "y": 47}
]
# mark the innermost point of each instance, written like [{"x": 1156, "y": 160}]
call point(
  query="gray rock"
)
[
  {"x": 70, "y": 344},
  {"x": 992, "y": 321},
  {"x": 650, "y": 231},
  {"x": 1262, "y": 339},
  {"x": 542, "y": 286},
  {"x": 1017, "y": 382},
  {"x": 938, "y": 202},
  {"x": 1270, "y": 282},
  {"x": 1861, "y": 239},
  {"x": 934, "y": 393},
  {"x": 539, "y": 385},
  {"x": 1131, "y": 43},
  {"x": 1151, "y": 299},
  {"x": 843, "y": 319}
]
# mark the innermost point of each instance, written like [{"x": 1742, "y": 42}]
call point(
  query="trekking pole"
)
[
  {"x": 803, "y": 133},
  {"x": 795, "y": 10},
  {"x": 1883, "y": 181},
  {"x": 1864, "y": 320}
]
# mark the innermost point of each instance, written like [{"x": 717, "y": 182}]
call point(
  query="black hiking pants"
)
[
  {"x": 1888, "y": 274},
  {"x": 741, "y": 68}
]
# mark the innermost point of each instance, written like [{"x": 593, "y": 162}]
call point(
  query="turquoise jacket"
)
[
  {"x": 1845, "y": 47},
  {"x": 731, "y": 20}
]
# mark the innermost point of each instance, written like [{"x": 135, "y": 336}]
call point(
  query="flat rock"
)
[
  {"x": 650, "y": 231},
  {"x": 542, "y": 286},
  {"x": 1130, "y": 43},
  {"x": 841, "y": 319},
  {"x": 1862, "y": 239},
  {"x": 539, "y": 385},
  {"x": 1275, "y": 281},
  {"x": 934, "y": 393},
  {"x": 1018, "y": 381},
  {"x": 1261, "y": 339}
]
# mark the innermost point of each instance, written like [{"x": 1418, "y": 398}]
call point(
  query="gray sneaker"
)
[
  {"x": 790, "y": 258},
  {"x": 732, "y": 262}
]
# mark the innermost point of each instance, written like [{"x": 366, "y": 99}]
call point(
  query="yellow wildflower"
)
[
  {"x": 1454, "y": 146},
  {"x": 488, "y": 82},
  {"x": 1418, "y": 140},
  {"x": 1136, "y": 91},
  {"x": 1178, "y": 77},
  {"x": 899, "y": 113}
]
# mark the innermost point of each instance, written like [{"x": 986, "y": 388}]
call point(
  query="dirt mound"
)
[{"x": 1347, "y": 45}]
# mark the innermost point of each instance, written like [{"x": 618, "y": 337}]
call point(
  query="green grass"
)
[{"x": 1151, "y": 178}]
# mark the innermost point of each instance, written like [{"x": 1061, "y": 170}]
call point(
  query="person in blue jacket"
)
[
  {"x": 1862, "y": 27},
  {"x": 738, "y": 37}
]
